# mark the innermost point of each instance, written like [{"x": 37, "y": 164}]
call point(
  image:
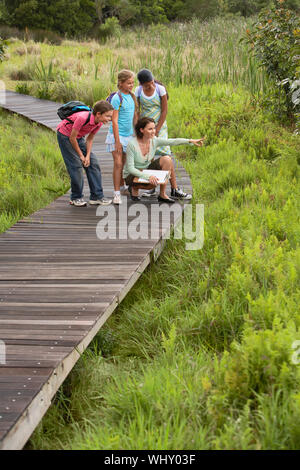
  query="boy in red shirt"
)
[{"x": 77, "y": 152}]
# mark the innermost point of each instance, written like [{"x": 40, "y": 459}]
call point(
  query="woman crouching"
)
[{"x": 140, "y": 155}]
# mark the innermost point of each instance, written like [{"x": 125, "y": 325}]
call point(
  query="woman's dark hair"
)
[
  {"x": 141, "y": 124},
  {"x": 102, "y": 107}
]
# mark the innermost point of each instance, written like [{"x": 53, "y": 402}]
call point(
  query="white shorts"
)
[{"x": 110, "y": 141}]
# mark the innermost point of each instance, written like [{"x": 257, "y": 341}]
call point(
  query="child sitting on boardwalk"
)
[
  {"x": 121, "y": 129},
  {"x": 140, "y": 155},
  {"x": 77, "y": 153}
]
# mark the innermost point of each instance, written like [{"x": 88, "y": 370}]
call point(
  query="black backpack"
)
[{"x": 73, "y": 107}]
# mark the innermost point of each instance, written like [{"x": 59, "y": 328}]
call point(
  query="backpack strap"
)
[
  {"x": 121, "y": 99},
  {"x": 88, "y": 119},
  {"x": 157, "y": 89},
  {"x": 140, "y": 88},
  {"x": 157, "y": 82}
]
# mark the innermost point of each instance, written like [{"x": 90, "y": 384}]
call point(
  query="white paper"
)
[{"x": 161, "y": 175}]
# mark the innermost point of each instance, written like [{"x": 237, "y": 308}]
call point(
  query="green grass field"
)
[
  {"x": 32, "y": 172},
  {"x": 200, "y": 353}
]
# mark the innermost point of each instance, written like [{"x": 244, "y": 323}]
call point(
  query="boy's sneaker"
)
[
  {"x": 149, "y": 192},
  {"x": 179, "y": 194},
  {"x": 100, "y": 202},
  {"x": 117, "y": 199},
  {"x": 78, "y": 202}
]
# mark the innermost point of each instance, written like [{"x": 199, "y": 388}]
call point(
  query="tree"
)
[
  {"x": 173, "y": 8},
  {"x": 125, "y": 10},
  {"x": 152, "y": 11},
  {"x": 71, "y": 17},
  {"x": 250, "y": 7},
  {"x": 200, "y": 8},
  {"x": 99, "y": 5}
]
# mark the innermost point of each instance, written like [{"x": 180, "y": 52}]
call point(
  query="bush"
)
[
  {"x": 36, "y": 35},
  {"x": 275, "y": 41},
  {"x": 111, "y": 27},
  {"x": 8, "y": 32},
  {"x": 24, "y": 88},
  {"x": 25, "y": 73},
  {"x": 2, "y": 49},
  {"x": 42, "y": 35}
]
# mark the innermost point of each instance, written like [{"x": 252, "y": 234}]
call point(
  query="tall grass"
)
[
  {"x": 198, "y": 355},
  {"x": 192, "y": 53},
  {"x": 32, "y": 172}
]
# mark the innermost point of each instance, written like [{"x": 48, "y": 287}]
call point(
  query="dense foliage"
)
[
  {"x": 83, "y": 17},
  {"x": 275, "y": 40},
  {"x": 2, "y": 49},
  {"x": 64, "y": 16}
]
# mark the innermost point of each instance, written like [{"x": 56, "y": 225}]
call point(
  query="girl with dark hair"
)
[
  {"x": 153, "y": 102},
  {"x": 140, "y": 155}
]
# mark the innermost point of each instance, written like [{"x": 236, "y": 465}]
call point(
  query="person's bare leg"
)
[
  {"x": 117, "y": 171},
  {"x": 122, "y": 181},
  {"x": 166, "y": 164}
]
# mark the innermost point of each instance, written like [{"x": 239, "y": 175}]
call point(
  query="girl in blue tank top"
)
[{"x": 121, "y": 129}]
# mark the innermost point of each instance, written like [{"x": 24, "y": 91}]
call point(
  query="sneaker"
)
[
  {"x": 100, "y": 202},
  {"x": 78, "y": 202},
  {"x": 179, "y": 194},
  {"x": 149, "y": 192},
  {"x": 117, "y": 199}
]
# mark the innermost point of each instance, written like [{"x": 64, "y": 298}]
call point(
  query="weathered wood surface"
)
[{"x": 58, "y": 285}]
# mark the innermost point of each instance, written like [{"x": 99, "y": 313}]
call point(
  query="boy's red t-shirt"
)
[{"x": 78, "y": 119}]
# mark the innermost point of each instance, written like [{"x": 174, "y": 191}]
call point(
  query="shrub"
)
[
  {"x": 275, "y": 40},
  {"x": 25, "y": 73},
  {"x": 41, "y": 35},
  {"x": 23, "y": 88},
  {"x": 2, "y": 49},
  {"x": 8, "y": 32},
  {"x": 111, "y": 27},
  {"x": 36, "y": 35}
]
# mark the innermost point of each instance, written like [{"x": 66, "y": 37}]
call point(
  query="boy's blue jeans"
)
[{"x": 75, "y": 167}]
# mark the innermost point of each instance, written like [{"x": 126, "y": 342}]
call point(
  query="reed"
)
[{"x": 192, "y": 53}]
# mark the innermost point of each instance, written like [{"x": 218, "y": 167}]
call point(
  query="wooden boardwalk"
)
[{"x": 58, "y": 285}]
